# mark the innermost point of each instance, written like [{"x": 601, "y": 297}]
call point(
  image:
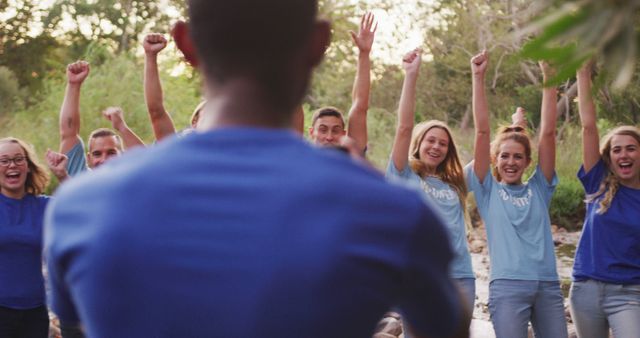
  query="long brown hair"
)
[
  {"x": 516, "y": 134},
  {"x": 450, "y": 170},
  {"x": 37, "y": 175},
  {"x": 610, "y": 184}
]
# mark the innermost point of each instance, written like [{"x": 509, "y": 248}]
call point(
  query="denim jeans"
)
[
  {"x": 598, "y": 306},
  {"x": 515, "y": 303},
  {"x": 30, "y": 323},
  {"x": 467, "y": 287}
]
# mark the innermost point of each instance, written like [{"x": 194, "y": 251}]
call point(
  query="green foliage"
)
[
  {"x": 579, "y": 30},
  {"x": 117, "y": 82},
  {"x": 10, "y": 94}
]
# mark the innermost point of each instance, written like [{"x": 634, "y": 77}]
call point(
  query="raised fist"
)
[
  {"x": 77, "y": 72},
  {"x": 153, "y": 43}
]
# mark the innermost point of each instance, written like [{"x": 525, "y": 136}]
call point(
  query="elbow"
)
[{"x": 404, "y": 130}]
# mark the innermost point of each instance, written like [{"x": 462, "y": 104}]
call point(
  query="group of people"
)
[{"x": 243, "y": 229}]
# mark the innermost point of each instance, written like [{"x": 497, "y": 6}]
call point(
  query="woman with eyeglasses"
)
[
  {"x": 23, "y": 311},
  {"x": 524, "y": 285}
]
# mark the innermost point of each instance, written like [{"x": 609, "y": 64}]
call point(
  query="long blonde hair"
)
[
  {"x": 37, "y": 176},
  {"x": 610, "y": 184},
  {"x": 450, "y": 170}
]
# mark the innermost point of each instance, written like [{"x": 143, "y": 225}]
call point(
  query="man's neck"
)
[{"x": 240, "y": 103}]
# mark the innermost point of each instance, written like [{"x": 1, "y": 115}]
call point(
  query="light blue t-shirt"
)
[
  {"x": 446, "y": 198},
  {"x": 518, "y": 226},
  {"x": 77, "y": 160}
]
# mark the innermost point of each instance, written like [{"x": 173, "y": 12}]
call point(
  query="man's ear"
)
[
  {"x": 319, "y": 41},
  {"x": 180, "y": 33}
]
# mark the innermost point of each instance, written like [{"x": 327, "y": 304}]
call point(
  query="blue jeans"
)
[
  {"x": 513, "y": 303},
  {"x": 598, "y": 306},
  {"x": 467, "y": 287}
]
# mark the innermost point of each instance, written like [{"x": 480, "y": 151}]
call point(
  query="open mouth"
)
[
  {"x": 625, "y": 167},
  {"x": 433, "y": 155},
  {"x": 12, "y": 177}
]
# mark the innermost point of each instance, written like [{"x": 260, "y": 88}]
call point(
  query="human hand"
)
[
  {"x": 57, "y": 163},
  {"x": 367, "y": 32},
  {"x": 547, "y": 70},
  {"x": 587, "y": 69},
  {"x": 114, "y": 114},
  {"x": 412, "y": 60},
  {"x": 479, "y": 63},
  {"x": 153, "y": 43},
  {"x": 77, "y": 72},
  {"x": 519, "y": 118}
]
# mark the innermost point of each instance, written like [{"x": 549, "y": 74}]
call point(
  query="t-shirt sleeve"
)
[
  {"x": 392, "y": 171},
  {"x": 430, "y": 293},
  {"x": 77, "y": 160},
  {"x": 542, "y": 185},
  {"x": 591, "y": 180},
  {"x": 59, "y": 297},
  {"x": 481, "y": 190}
]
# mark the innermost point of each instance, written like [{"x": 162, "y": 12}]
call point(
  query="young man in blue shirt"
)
[{"x": 243, "y": 229}]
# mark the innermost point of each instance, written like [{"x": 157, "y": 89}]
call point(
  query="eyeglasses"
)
[{"x": 18, "y": 160}]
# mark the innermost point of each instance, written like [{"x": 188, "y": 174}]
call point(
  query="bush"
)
[{"x": 567, "y": 205}]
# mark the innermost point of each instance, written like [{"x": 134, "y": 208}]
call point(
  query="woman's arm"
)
[
  {"x": 547, "y": 142},
  {"x": 587, "y": 109},
  {"x": 406, "y": 110},
  {"x": 482, "y": 145}
]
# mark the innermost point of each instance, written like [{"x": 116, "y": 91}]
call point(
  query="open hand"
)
[{"x": 367, "y": 32}]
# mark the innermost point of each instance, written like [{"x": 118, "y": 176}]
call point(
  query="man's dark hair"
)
[
  {"x": 253, "y": 38},
  {"x": 326, "y": 111},
  {"x": 105, "y": 132}
]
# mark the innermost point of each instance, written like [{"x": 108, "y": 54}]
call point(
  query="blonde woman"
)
[
  {"x": 524, "y": 284},
  {"x": 427, "y": 157},
  {"x": 606, "y": 274}
]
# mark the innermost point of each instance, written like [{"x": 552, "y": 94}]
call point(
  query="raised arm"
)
[
  {"x": 357, "y": 126},
  {"x": 69, "y": 122},
  {"x": 482, "y": 146},
  {"x": 587, "y": 109},
  {"x": 160, "y": 119},
  {"x": 129, "y": 138},
  {"x": 406, "y": 110},
  {"x": 548, "y": 112}
]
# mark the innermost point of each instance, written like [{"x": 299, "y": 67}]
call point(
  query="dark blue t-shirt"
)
[
  {"x": 609, "y": 248},
  {"x": 244, "y": 233},
  {"x": 21, "y": 281}
]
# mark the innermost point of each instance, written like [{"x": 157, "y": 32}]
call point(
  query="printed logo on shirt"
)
[
  {"x": 517, "y": 201},
  {"x": 439, "y": 194}
]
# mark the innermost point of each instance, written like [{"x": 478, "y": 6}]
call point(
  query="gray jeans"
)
[{"x": 598, "y": 306}]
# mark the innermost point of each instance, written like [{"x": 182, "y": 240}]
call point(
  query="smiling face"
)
[
  {"x": 434, "y": 148},
  {"x": 13, "y": 176},
  {"x": 511, "y": 161},
  {"x": 625, "y": 159},
  {"x": 327, "y": 131},
  {"x": 101, "y": 149}
]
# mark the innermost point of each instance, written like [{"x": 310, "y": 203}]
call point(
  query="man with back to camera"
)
[{"x": 240, "y": 230}]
